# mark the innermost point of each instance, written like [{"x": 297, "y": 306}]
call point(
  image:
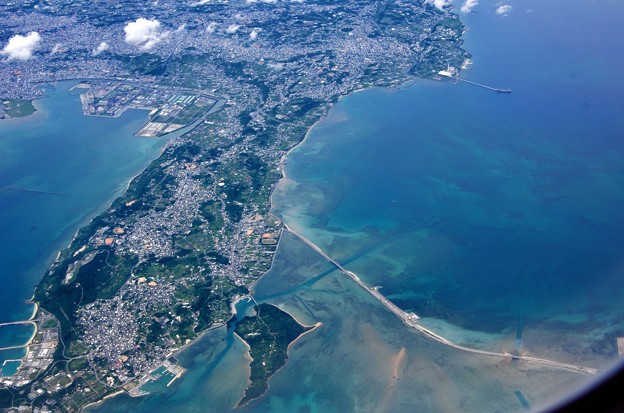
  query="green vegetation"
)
[
  {"x": 268, "y": 333},
  {"x": 17, "y": 108},
  {"x": 193, "y": 231},
  {"x": 77, "y": 364},
  {"x": 49, "y": 324}
]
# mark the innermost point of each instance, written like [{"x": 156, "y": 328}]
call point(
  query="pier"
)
[
  {"x": 411, "y": 320},
  {"x": 36, "y": 191},
  {"x": 13, "y": 323},
  {"x": 450, "y": 75},
  {"x": 16, "y": 347},
  {"x": 459, "y": 79}
]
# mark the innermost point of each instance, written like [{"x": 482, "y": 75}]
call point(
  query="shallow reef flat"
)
[{"x": 364, "y": 359}]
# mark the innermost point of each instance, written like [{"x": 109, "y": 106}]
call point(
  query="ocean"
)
[
  {"x": 89, "y": 160},
  {"x": 484, "y": 212},
  {"x": 495, "y": 217}
]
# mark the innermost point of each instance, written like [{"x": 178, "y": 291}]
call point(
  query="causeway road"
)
[{"x": 410, "y": 320}]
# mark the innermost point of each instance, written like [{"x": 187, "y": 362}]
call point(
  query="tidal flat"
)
[{"x": 361, "y": 358}]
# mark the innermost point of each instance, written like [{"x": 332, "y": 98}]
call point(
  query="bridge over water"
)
[{"x": 411, "y": 320}]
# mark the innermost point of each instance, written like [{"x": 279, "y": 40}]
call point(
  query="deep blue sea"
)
[{"x": 57, "y": 150}]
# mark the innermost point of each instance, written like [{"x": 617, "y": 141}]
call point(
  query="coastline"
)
[
  {"x": 32, "y": 337},
  {"x": 282, "y": 180},
  {"x": 103, "y": 399},
  {"x": 28, "y": 341},
  {"x": 38, "y": 112},
  {"x": 283, "y": 159},
  {"x": 248, "y": 357},
  {"x": 66, "y": 238},
  {"x": 288, "y": 348}
]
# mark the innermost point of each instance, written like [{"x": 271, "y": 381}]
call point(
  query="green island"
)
[
  {"x": 194, "y": 232},
  {"x": 16, "y": 108},
  {"x": 269, "y": 333}
]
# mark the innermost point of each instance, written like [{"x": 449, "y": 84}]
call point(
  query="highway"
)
[{"x": 410, "y": 320}]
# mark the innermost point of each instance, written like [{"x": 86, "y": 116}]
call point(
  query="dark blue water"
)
[
  {"x": 480, "y": 208},
  {"x": 59, "y": 150}
]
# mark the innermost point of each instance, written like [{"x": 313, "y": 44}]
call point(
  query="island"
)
[
  {"x": 268, "y": 335},
  {"x": 16, "y": 108}
]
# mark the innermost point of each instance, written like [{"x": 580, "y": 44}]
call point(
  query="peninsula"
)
[{"x": 193, "y": 232}]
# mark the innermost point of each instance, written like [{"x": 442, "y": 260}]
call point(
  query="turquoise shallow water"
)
[
  {"x": 487, "y": 211},
  {"x": 492, "y": 216},
  {"x": 360, "y": 359},
  {"x": 495, "y": 217},
  {"x": 9, "y": 368},
  {"x": 57, "y": 149}
]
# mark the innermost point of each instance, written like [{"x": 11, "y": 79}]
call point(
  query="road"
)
[{"x": 410, "y": 320}]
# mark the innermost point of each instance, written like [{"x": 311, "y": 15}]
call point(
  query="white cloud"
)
[
  {"x": 144, "y": 33},
  {"x": 469, "y": 5},
  {"x": 100, "y": 49},
  {"x": 439, "y": 4},
  {"x": 181, "y": 28},
  {"x": 254, "y": 34},
  {"x": 21, "y": 47},
  {"x": 56, "y": 48},
  {"x": 211, "y": 28},
  {"x": 232, "y": 28},
  {"x": 262, "y": 1},
  {"x": 504, "y": 9}
]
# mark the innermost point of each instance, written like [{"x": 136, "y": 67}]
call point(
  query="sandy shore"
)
[
  {"x": 250, "y": 359},
  {"x": 398, "y": 362},
  {"x": 39, "y": 112},
  {"x": 110, "y": 396},
  {"x": 248, "y": 355},
  {"x": 282, "y": 163},
  {"x": 35, "y": 309},
  {"x": 34, "y": 334}
]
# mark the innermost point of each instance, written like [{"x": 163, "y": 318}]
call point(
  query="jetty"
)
[
  {"x": 13, "y": 323},
  {"x": 36, "y": 191},
  {"x": 451, "y": 75},
  {"x": 411, "y": 320},
  {"x": 16, "y": 347}
]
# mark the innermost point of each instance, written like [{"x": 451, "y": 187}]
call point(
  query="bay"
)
[
  {"x": 489, "y": 215},
  {"x": 85, "y": 161},
  {"x": 361, "y": 358},
  {"x": 492, "y": 216}
]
